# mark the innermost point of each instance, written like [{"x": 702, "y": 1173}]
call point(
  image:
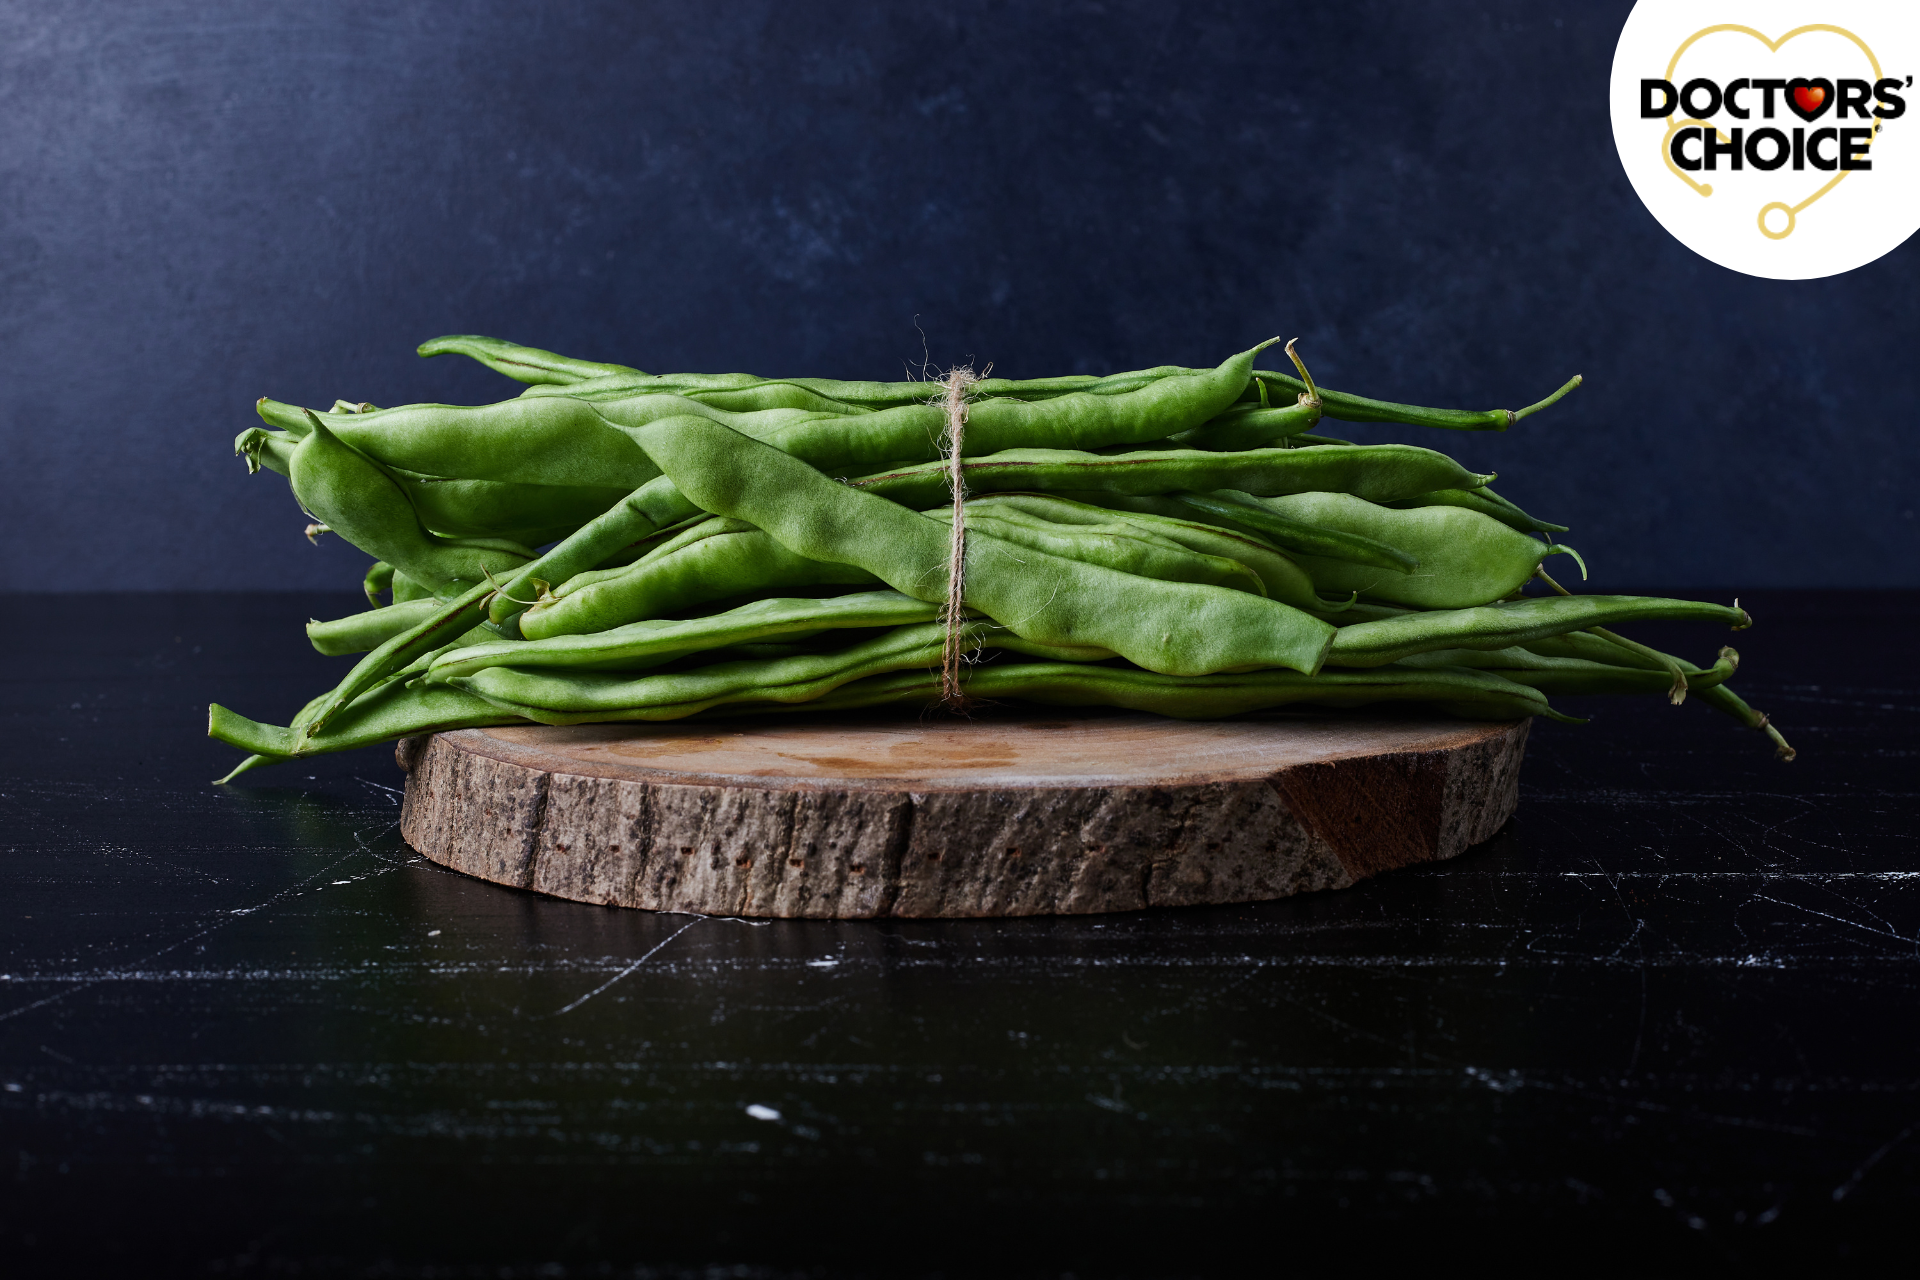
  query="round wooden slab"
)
[{"x": 1012, "y": 813}]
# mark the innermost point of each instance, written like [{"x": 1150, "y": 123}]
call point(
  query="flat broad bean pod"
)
[
  {"x": 401, "y": 709},
  {"x": 1383, "y": 472},
  {"x": 1176, "y": 627},
  {"x": 1465, "y": 558},
  {"x": 406, "y": 589}
]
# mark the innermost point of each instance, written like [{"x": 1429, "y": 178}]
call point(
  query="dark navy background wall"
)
[{"x": 204, "y": 202}]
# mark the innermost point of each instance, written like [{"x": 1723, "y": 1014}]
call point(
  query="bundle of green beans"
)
[{"x": 1173, "y": 540}]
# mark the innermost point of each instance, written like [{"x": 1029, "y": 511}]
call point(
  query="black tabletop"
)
[{"x": 1665, "y": 1015}]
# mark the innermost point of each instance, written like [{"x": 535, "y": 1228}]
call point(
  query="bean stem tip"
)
[{"x": 1514, "y": 415}]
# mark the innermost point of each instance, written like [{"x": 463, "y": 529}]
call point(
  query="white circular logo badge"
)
[{"x": 1774, "y": 137}]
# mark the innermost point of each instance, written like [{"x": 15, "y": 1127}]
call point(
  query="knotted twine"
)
[{"x": 959, "y": 382}]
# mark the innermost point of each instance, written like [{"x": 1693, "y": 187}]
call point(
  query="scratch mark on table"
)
[{"x": 651, "y": 953}]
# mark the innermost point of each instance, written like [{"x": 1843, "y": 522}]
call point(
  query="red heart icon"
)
[{"x": 1809, "y": 97}]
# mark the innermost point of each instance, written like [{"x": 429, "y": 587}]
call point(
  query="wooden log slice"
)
[{"x": 1009, "y": 814}]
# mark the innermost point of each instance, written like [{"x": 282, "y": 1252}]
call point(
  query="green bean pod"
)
[
  {"x": 361, "y": 502},
  {"x": 906, "y": 433},
  {"x": 715, "y": 560},
  {"x": 270, "y": 449},
  {"x": 555, "y": 696},
  {"x": 653, "y": 507},
  {"x": 1352, "y": 408},
  {"x": 640, "y": 645},
  {"x": 378, "y": 578},
  {"x": 1175, "y": 627},
  {"x": 1472, "y": 695},
  {"x": 406, "y": 590},
  {"x": 1485, "y": 501},
  {"x": 715, "y": 388},
  {"x": 1499, "y": 626},
  {"x": 758, "y": 399},
  {"x": 1249, "y": 426},
  {"x": 887, "y": 395},
  {"x": 1116, "y": 545},
  {"x": 1238, "y": 510},
  {"x": 549, "y": 442},
  {"x": 1573, "y": 676},
  {"x": 1378, "y": 472},
  {"x": 524, "y": 513},
  {"x": 361, "y": 632},
  {"x": 1283, "y": 579},
  {"x": 1465, "y": 558},
  {"x": 1076, "y": 421},
  {"x": 523, "y": 364},
  {"x": 398, "y": 709},
  {"x": 447, "y": 626}
]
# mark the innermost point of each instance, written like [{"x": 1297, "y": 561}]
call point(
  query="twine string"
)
[{"x": 958, "y": 383}]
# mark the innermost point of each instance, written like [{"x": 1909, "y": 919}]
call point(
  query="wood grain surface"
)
[{"x": 1017, "y": 813}]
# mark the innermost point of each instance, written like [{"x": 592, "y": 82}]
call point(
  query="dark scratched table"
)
[{"x": 1666, "y": 1016}]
